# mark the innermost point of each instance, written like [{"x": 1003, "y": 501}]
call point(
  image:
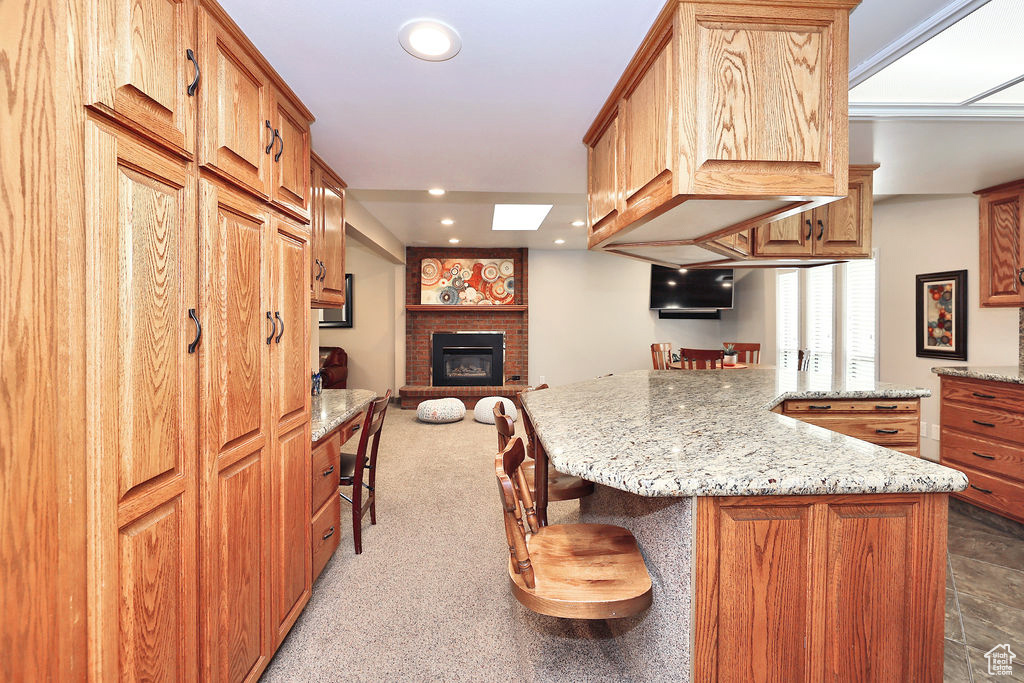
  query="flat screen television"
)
[{"x": 691, "y": 289}]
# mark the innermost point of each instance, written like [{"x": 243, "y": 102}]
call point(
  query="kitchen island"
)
[{"x": 762, "y": 533}]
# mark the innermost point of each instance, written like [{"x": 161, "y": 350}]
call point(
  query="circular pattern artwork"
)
[
  {"x": 430, "y": 271},
  {"x": 506, "y": 268},
  {"x": 454, "y": 282},
  {"x": 448, "y": 296},
  {"x": 490, "y": 272}
]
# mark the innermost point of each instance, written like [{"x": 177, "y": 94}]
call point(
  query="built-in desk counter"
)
[{"x": 779, "y": 550}]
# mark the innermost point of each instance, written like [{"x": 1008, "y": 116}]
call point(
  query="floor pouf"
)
[
  {"x": 441, "y": 410},
  {"x": 484, "y": 411}
]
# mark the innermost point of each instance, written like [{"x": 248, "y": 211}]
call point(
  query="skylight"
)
[
  {"x": 519, "y": 216},
  {"x": 980, "y": 53}
]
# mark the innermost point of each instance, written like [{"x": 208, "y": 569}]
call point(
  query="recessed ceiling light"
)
[
  {"x": 519, "y": 216},
  {"x": 447, "y": 221},
  {"x": 682, "y": 270},
  {"x": 578, "y": 223},
  {"x": 436, "y": 192},
  {"x": 671, "y": 283},
  {"x": 727, "y": 284},
  {"x": 559, "y": 241},
  {"x": 454, "y": 240},
  {"x": 429, "y": 39}
]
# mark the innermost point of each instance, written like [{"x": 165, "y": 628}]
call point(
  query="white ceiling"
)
[{"x": 503, "y": 120}]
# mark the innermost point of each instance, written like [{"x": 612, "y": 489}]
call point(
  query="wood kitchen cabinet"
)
[
  {"x": 290, "y": 154},
  {"x": 142, "y": 67},
  {"x": 327, "y": 272},
  {"x": 1001, "y": 238}
]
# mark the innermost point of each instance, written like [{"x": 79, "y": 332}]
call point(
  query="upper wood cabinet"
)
[
  {"x": 328, "y": 215},
  {"x": 840, "y": 230},
  {"x": 142, "y": 67},
  {"x": 290, "y": 153},
  {"x": 1001, "y": 238},
  {"x": 740, "y": 100}
]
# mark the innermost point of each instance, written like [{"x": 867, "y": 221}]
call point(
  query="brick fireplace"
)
[{"x": 421, "y": 322}]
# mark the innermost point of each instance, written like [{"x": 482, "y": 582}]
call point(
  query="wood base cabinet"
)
[
  {"x": 327, "y": 283},
  {"x": 894, "y": 424},
  {"x": 1001, "y": 238}
]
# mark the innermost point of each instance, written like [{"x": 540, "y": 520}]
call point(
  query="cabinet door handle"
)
[
  {"x": 191, "y": 90},
  {"x": 983, "y": 424},
  {"x": 887, "y": 431},
  {"x": 821, "y": 229},
  {"x": 975, "y": 393},
  {"x": 199, "y": 331},
  {"x": 277, "y": 157},
  {"x": 273, "y": 136},
  {"x": 329, "y": 471},
  {"x": 981, "y": 455},
  {"x": 273, "y": 330},
  {"x": 978, "y": 488},
  {"x": 820, "y": 407},
  {"x": 810, "y": 229},
  {"x": 886, "y": 407},
  {"x": 1020, "y": 276},
  {"x": 324, "y": 275},
  {"x": 330, "y": 532},
  {"x": 277, "y": 317}
]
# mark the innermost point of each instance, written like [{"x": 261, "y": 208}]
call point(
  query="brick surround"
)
[{"x": 419, "y": 325}]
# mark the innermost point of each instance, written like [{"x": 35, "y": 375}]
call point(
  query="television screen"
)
[{"x": 690, "y": 289}]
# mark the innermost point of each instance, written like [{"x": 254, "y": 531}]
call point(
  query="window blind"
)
[
  {"x": 820, "y": 322},
  {"x": 859, "y": 320},
  {"x": 787, "y": 306}
]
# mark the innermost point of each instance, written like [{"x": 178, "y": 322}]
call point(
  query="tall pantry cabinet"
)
[{"x": 197, "y": 199}]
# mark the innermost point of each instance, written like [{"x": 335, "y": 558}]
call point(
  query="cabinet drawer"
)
[
  {"x": 326, "y": 458},
  {"x": 993, "y": 457},
  {"x": 909, "y": 450},
  {"x": 991, "y": 492},
  {"x": 882, "y": 430},
  {"x": 986, "y": 394},
  {"x": 986, "y": 422},
  {"x": 326, "y": 530},
  {"x": 826, "y": 407}
]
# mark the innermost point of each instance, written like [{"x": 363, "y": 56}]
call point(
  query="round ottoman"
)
[
  {"x": 484, "y": 410},
  {"x": 441, "y": 410}
]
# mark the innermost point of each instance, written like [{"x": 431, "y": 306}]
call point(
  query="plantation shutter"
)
[
  {"x": 859, "y": 324},
  {"x": 820, "y": 322},
  {"x": 787, "y": 306}
]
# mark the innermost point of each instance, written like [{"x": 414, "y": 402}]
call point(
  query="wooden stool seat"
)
[
  {"x": 560, "y": 486},
  {"x": 584, "y": 571},
  {"x": 347, "y": 468}
]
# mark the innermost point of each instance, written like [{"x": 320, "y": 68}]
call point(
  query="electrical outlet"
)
[
  {"x": 541, "y": 379},
  {"x": 924, "y": 429},
  {"x": 935, "y": 432}
]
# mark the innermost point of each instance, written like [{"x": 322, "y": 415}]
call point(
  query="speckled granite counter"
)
[
  {"x": 1003, "y": 373},
  {"x": 711, "y": 433},
  {"x": 335, "y": 406}
]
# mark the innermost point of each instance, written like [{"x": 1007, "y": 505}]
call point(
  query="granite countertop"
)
[
  {"x": 335, "y": 406},
  {"x": 1003, "y": 373},
  {"x": 711, "y": 433}
]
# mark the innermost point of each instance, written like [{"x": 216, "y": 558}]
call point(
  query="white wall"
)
[
  {"x": 589, "y": 315},
  {"x": 927, "y": 234},
  {"x": 752, "y": 318},
  {"x": 378, "y": 321}
]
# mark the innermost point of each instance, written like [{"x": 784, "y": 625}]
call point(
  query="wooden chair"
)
[
  {"x": 552, "y": 484},
  {"x": 661, "y": 355},
  {"x": 746, "y": 352},
  {"x": 803, "y": 360},
  {"x": 574, "y": 571},
  {"x": 702, "y": 359},
  {"x": 354, "y": 465}
]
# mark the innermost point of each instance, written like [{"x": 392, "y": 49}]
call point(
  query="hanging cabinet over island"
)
[{"x": 729, "y": 115}]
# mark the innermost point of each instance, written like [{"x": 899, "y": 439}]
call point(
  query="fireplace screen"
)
[
  {"x": 467, "y": 359},
  {"x": 467, "y": 363}
]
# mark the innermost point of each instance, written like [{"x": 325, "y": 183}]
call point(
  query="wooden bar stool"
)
[
  {"x": 354, "y": 465},
  {"x": 575, "y": 571},
  {"x": 702, "y": 359},
  {"x": 661, "y": 356},
  {"x": 746, "y": 352}
]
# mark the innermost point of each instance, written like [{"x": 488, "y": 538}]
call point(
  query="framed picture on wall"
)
[
  {"x": 339, "y": 317},
  {"x": 942, "y": 315}
]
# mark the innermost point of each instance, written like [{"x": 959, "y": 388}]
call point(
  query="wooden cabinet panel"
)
[
  {"x": 326, "y": 532},
  {"x": 290, "y": 158},
  {"x": 990, "y": 455},
  {"x": 983, "y": 394},
  {"x": 326, "y": 459},
  {"x": 985, "y": 422},
  {"x": 790, "y": 236},
  {"x": 291, "y": 313},
  {"x": 878, "y": 429},
  {"x": 845, "y": 229},
  {"x": 236, "y": 137},
  {"x": 996, "y": 493},
  {"x": 828, "y": 406},
  {"x": 292, "y": 536},
  {"x": 143, "y": 252},
  {"x": 328, "y": 214},
  {"x": 138, "y": 71},
  {"x": 1002, "y": 248},
  {"x": 603, "y": 184},
  {"x": 646, "y": 120}
]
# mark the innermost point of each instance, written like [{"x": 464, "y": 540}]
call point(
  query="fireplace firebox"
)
[{"x": 468, "y": 359}]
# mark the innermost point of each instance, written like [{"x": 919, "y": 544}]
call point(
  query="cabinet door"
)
[
  {"x": 316, "y": 230},
  {"x": 235, "y": 132},
  {"x": 138, "y": 70},
  {"x": 290, "y": 158},
  {"x": 293, "y": 544},
  {"x": 790, "y": 236},
  {"x": 1002, "y": 249},
  {"x": 143, "y": 381},
  {"x": 237, "y": 637},
  {"x": 646, "y": 125},
  {"x": 332, "y": 244},
  {"x": 602, "y": 175},
  {"x": 845, "y": 227},
  {"x": 290, "y": 348}
]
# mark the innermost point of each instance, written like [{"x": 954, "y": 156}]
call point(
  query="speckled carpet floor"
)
[{"x": 428, "y": 599}]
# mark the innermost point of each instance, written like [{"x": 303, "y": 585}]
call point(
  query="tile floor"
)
[{"x": 984, "y": 593}]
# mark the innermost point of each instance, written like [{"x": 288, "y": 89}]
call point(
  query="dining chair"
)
[
  {"x": 661, "y": 355},
  {"x": 702, "y": 359},
  {"x": 746, "y": 352},
  {"x": 354, "y": 466},
  {"x": 573, "y": 571},
  {"x": 803, "y": 359}
]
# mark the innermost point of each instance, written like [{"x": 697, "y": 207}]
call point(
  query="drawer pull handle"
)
[
  {"x": 886, "y": 407},
  {"x": 329, "y": 471},
  {"x": 975, "y": 393},
  {"x": 983, "y": 424},
  {"x": 330, "y": 532},
  {"x": 980, "y": 455},
  {"x": 978, "y": 488},
  {"x": 887, "y": 431},
  {"x": 820, "y": 407}
]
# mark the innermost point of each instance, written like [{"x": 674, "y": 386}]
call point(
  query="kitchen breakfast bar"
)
[{"x": 778, "y": 549}]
